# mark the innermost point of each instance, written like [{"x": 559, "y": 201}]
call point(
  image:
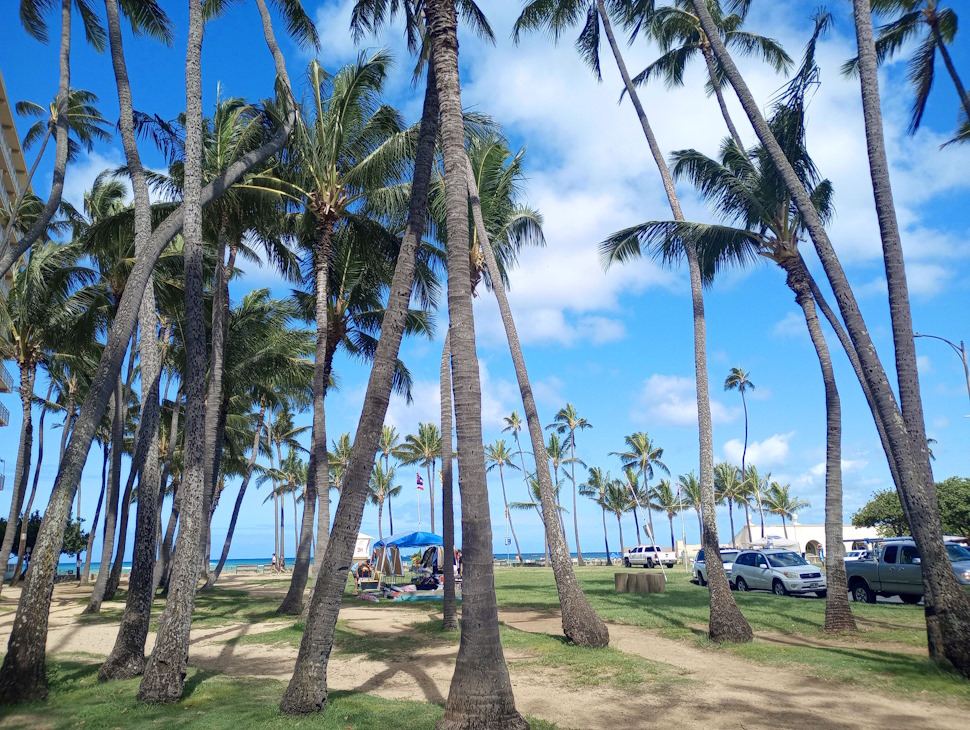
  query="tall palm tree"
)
[
  {"x": 557, "y": 454},
  {"x": 678, "y": 32},
  {"x": 535, "y": 502},
  {"x": 498, "y": 456},
  {"x": 387, "y": 446},
  {"x": 568, "y": 420},
  {"x": 934, "y": 28},
  {"x": 667, "y": 501},
  {"x": 727, "y": 623},
  {"x": 784, "y": 504},
  {"x": 449, "y": 603},
  {"x": 513, "y": 424},
  {"x": 691, "y": 488},
  {"x": 423, "y": 448},
  {"x": 595, "y": 488},
  {"x": 740, "y": 381},
  {"x": 381, "y": 487},
  {"x": 755, "y": 487},
  {"x": 901, "y": 420},
  {"x": 643, "y": 455},
  {"x": 616, "y": 499},
  {"x": 731, "y": 490},
  {"x": 481, "y": 691},
  {"x": 638, "y": 495}
]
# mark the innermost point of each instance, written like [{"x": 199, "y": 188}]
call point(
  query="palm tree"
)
[
  {"x": 731, "y": 490},
  {"x": 567, "y": 419},
  {"x": 740, "y": 381},
  {"x": 381, "y": 487},
  {"x": 513, "y": 424},
  {"x": 556, "y": 452},
  {"x": 423, "y": 448},
  {"x": 595, "y": 488},
  {"x": 935, "y": 28},
  {"x": 638, "y": 495},
  {"x": 449, "y": 607},
  {"x": 782, "y": 503},
  {"x": 535, "y": 502},
  {"x": 497, "y": 455},
  {"x": 387, "y": 446},
  {"x": 616, "y": 499},
  {"x": 44, "y": 313},
  {"x": 644, "y": 455},
  {"x": 756, "y": 486},
  {"x": 678, "y": 32},
  {"x": 691, "y": 488},
  {"x": 904, "y": 427},
  {"x": 667, "y": 501}
]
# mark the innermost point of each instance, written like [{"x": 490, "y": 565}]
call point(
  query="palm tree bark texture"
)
[
  {"x": 727, "y": 623},
  {"x": 579, "y": 621},
  {"x": 947, "y": 607},
  {"x": 307, "y": 690},
  {"x": 449, "y": 614}
]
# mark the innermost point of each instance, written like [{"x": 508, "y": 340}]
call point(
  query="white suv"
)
[
  {"x": 700, "y": 565},
  {"x": 649, "y": 556}
]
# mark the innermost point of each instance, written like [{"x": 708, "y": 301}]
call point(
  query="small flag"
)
[{"x": 420, "y": 482}]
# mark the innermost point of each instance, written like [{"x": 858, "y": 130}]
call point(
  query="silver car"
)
[
  {"x": 779, "y": 571},
  {"x": 700, "y": 565}
]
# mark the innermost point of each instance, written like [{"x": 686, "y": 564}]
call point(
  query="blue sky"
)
[{"x": 617, "y": 345}]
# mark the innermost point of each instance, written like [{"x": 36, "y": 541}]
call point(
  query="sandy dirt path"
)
[{"x": 721, "y": 690}]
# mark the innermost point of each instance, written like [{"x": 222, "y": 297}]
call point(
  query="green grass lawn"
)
[{"x": 211, "y": 702}]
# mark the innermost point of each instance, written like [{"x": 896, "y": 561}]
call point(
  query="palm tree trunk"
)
[
  {"x": 838, "y": 615},
  {"x": 727, "y": 623},
  {"x": 431, "y": 491},
  {"x": 111, "y": 509},
  {"x": 481, "y": 692},
  {"x": 731, "y": 516},
  {"x": 951, "y": 69},
  {"x": 114, "y": 577},
  {"x": 380, "y": 519},
  {"x": 572, "y": 466},
  {"x": 161, "y": 571},
  {"x": 606, "y": 539},
  {"x": 712, "y": 74},
  {"x": 220, "y": 325},
  {"x": 307, "y": 690},
  {"x": 390, "y": 513},
  {"x": 449, "y": 620},
  {"x": 282, "y": 532},
  {"x": 948, "y": 609},
  {"x": 165, "y": 671},
  {"x": 214, "y": 576},
  {"x": 646, "y": 488},
  {"x": 165, "y": 557},
  {"x": 580, "y": 623},
  {"x": 673, "y": 541},
  {"x": 33, "y": 488},
  {"x": 86, "y": 573},
  {"x": 22, "y": 471},
  {"x": 784, "y": 526},
  {"x": 508, "y": 515},
  {"x": 619, "y": 524},
  {"x": 747, "y": 518},
  {"x": 23, "y": 675},
  {"x": 318, "y": 470},
  {"x": 11, "y": 253},
  {"x": 559, "y": 512}
]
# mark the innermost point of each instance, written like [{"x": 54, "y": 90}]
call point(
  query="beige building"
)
[{"x": 809, "y": 539}]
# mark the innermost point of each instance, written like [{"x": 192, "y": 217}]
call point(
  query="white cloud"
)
[
  {"x": 671, "y": 400},
  {"x": 81, "y": 175},
  {"x": 924, "y": 364},
  {"x": 772, "y": 451},
  {"x": 848, "y": 465},
  {"x": 791, "y": 325},
  {"x": 549, "y": 391}
]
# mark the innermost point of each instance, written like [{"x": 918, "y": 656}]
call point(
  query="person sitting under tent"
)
[{"x": 364, "y": 570}]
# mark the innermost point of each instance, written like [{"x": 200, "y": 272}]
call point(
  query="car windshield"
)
[
  {"x": 957, "y": 552},
  {"x": 785, "y": 560},
  {"x": 728, "y": 557}
]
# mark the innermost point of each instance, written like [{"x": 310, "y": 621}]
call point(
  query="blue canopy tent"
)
[{"x": 410, "y": 540}]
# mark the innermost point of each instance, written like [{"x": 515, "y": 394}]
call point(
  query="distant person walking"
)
[
  {"x": 273, "y": 564},
  {"x": 77, "y": 567}
]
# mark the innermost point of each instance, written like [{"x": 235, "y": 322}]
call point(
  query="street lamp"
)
[{"x": 961, "y": 352}]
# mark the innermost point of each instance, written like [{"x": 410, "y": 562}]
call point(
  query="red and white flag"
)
[{"x": 420, "y": 481}]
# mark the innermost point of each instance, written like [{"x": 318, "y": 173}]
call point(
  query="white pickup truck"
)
[{"x": 649, "y": 556}]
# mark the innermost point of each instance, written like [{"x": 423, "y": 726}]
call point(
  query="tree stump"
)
[{"x": 639, "y": 582}]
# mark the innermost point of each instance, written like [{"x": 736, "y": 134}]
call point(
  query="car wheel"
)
[
  {"x": 700, "y": 579},
  {"x": 821, "y": 594},
  {"x": 779, "y": 588},
  {"x": 861, "y": 593},
  {"x": 649, "y": 564},
  {"x": 741, "y": 585},
  {"x": 910, "y": 598},
  {"x": 626, "y": 562}
]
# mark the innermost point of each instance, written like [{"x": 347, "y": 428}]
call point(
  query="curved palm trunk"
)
[
  {"x": 165, "y": 554},
  {"x": 33, "y": 489},
  {"x": 712, "y": 74},
  {"x": 579, "y": 621},
  {"x": 673, "y": 541},
  {"x": 22, "y": 471},
  {"x": 572, "y": 466},
  {"x": 380, "y": 519},
  {"x": 111, "y": 510},
  {"x": 838, "y": 615},
  {"x": 636, "y": 522},
  {"x": 86, "y": 573},
  {"x": 784, "y": 526},
  {"x": 114, "y": 577},
  {"x": 947, "y": 607},
  {"x": 23, "y": 675},
  {"x": 307, "y": 690},
  {"x": 390, "y": 513},
  {"x": 508, "y": 514},
  {"x": 449, "y": 620},
  {"x": 653, "y": 535},
  {"x": 161, "y": 571},
  {"x": 731, "y": 516},
  {"x": 481, "y": 692},
  {"x": 951, "y": 69},
  {"x": 619, "y": 524},
  {"x": 606, "y": 538},
  {"x": 431, "y": 491},
  {"x": 727, "y": 622},
  {"x": 10, "y": 254}
]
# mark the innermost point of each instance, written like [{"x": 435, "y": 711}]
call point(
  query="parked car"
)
[
  {"x": 649, "y": 556},
  {"x": 894, "y": 570},
  {"x": 852, "y": 555},
  {"x": 699, "y": 571},
  {"x": 779, "y": 571}
]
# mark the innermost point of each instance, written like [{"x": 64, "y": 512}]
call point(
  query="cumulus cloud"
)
[
  {"x": 671, "y": 400},
  {"x": 773, "y": 451},
  {"x": 791, "y": 325}
]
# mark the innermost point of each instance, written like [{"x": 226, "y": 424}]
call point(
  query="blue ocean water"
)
[{"x": 66, "y": 568}]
